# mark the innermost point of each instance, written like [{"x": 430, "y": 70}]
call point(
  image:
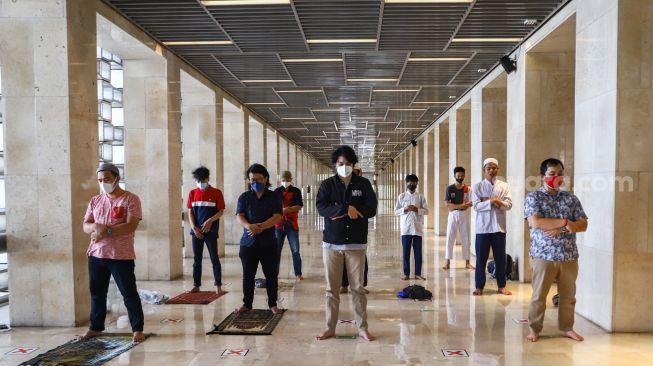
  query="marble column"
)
[
  {"x": 272, "y": 156},
  {"x": 460, "y": 139},
  {"x": 441, "y": 149},
  {"x": 234, "y": 124},
  {"x": 292, "y": 158},
  {"x": 430, "y": 166},
  {"x": 48, "y": 61},
  {"x": 419, "y": 161},
  {"x": 283, "y": 154},
  {"x": 412, "y": 156},
  {"x": 257, "y": 143}
]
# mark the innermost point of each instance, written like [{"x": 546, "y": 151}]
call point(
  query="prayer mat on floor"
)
[
  {"x": 95, "y": 351},
  {"x": 253, "y": 322},
  {"x": 195, "y": 298}
]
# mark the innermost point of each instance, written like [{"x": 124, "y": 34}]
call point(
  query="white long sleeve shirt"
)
[
  {"x": 490, "y": 219},
  {"x": 411, "y": 222}
]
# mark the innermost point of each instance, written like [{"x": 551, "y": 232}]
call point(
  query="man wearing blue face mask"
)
[{"x": 205, "y": 207}]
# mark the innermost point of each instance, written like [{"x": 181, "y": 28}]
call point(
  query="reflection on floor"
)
[{"x": 410, "y": 333}]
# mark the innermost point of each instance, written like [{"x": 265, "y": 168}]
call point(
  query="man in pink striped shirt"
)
[{"x": 111, "y": 219}]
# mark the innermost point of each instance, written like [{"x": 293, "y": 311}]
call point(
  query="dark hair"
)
[
  {"x": 345, "y": 151},
  {"x": 412, "y": 178},
  {"x": 258, "y": 169},
  {"x": 549, "y": 163},
  {"x": 458, "y": 169},
  {"x": 201, "y": 173}
]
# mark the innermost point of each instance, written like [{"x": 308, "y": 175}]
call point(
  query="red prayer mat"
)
[{"x": 195, "y": 298}]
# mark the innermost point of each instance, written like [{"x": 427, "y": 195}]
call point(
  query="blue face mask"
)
[{"x": 257, "y": 186}]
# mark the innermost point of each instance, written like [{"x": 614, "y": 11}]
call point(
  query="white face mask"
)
[
  {"x": 286, "y": 184},
  {"x": 202, "y": 185},
  {"x": 107, "y": 188},
  {"x": 344, "y": 170}
]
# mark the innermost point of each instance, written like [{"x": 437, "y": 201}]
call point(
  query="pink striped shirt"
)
[{"x": 111, "y": 212}]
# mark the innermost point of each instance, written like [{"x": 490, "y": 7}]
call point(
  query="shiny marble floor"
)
[{"x": 409, "y": 333}]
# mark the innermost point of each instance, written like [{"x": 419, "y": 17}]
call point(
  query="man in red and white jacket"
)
[{"x": 457, "y": 198}]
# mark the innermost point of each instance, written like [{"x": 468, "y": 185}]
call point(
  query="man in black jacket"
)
[{"x": 346, "y": 202}]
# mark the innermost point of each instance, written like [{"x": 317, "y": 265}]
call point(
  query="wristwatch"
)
[
  {"x": 564, "y": 230},
  {"x": 109, "y": 231}
]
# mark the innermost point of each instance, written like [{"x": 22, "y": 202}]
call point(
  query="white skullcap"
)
[{"x": 490, "y": 160}]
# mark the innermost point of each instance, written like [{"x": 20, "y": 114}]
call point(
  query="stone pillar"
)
[
  {"x": 430, "y": 165},
  {"x": 257, "y": 143},
  {"x": 234, "y": 167},
  {"x": 441, "y": 148},
  {"x": 460, "y": 139},
  {"x": 412, "y": 156},
  {"x": 272, "y": 156},
  {"x": 48, "y": 61},
  {"x": 419, "y": 161},
  {"x": 292, "y": 158},
  {"x": 283, "y": 154}
]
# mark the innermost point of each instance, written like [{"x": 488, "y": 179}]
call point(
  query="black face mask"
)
[
  {"x": 412, "y": 187},
  {"x": 460, "y": 180}
]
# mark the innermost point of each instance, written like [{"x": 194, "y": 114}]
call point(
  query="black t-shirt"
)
[{"x": 455, "y": 195}]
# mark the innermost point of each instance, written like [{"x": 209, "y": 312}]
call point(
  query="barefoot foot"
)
[
  {"x": 328, "y": 333},
  {"x": 365, "y": 335},
  {"x": 404, "y": 277},
  {"x": 242, "y": 309},
  {"x": 220, "y": 291},
  {"x": 573, "y": 335},
  {"x": 194, "y": 290},
  {"x": 505, "y": 291},
  {"x": 469, "y": 266},
  {"x": 276, "y": 310},
  {"x": 533, "y": 337},
  {"x": 421, "y": 278},
  {"x": 139, "y": 337},
  {"x": 89, "y": 334},
  {"x": 478, "y": 292},
  {"x": 300, "y": 277}
]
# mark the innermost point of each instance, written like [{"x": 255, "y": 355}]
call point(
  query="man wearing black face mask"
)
[
  {"x": 458, "y": 203},
  {"x": 411, "y": 207}
]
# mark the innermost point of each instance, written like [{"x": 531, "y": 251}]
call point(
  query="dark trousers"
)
[
  {"x": 250, "y": 257},
  {"x": 100, "y": 271},
  {"x": 497, "y": 242},
  {"x": 293, "y": 240},
  {"x": 415, "y": 242},
  {"x": 345, "y": 279},
  {"x": 198, "y": 252}
]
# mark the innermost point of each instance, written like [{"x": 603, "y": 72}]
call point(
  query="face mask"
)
[
  {"x": 286, "y": 184},
  {"x": 460, "y": 180},
  {"x": 344, "y": 170},
  {"x": 412, "y": 187},
  {"x": 202, "y": 186},
  {"x": 107, "y": 188},
  {"x": 554, "y": 182},
  {"x": 258, "y": 186}
]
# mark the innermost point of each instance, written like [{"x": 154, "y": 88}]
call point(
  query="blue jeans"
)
[
  {"x": 198, "y": 253},
  {"x": 293, "y": 240},
  {"x": 415, "y": 242},
  {"x": 497, "y": 242}
]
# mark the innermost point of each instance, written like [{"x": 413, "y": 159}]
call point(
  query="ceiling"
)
[{"x": 368, "y": 73}]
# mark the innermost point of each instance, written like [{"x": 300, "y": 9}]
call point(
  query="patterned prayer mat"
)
[
  {"x": 95, "y": 351},
  {"x": 195, "y": 298},
  {"x": 253, "y": 322}
]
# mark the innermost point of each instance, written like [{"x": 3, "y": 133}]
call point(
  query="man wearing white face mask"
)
[
  {"x": 291, "y": 199},
  {"x": 111, "y": 219},
  {"x": 205, "y": 207}
]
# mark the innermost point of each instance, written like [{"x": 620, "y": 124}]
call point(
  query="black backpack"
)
[
  {"x": 417, "y": 292},
  {"x": 511, "y": 269}
]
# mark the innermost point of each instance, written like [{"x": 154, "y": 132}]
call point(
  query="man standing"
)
[
  {"x": 205, "y": 208},
  {"x": 554, "y": 218},
  {"x": 291, "y": 199},
  {"x": 458, "y": 202},
  {"x": 491, "y": 199},
  {"x": 111, "y": 219},
  {"x": 346, "y": 201},
  {"x": 411, "y": 207}
]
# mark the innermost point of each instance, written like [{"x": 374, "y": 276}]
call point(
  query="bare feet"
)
[
  {"x": 404, "y": 278},
  {"x": 276, "y": 310},
  {"x": 469, "y": 265},
  {"x": 300, "y": 277},
  {"x": 573, "y": 335},
  {"x": 420, "y": 278},
  {"x": 220, "y": 291},
  {"x": 505, "y": 291},
  {"x": 533, "y": 337},
  {"x": 242, "y": 309},
  {"x": 478, "y": 292},
  {"x": 194, "y": 290},
  {"x": 447, "y": 266},
  {"x": 139, "y": 337},
  {"x": 89, "y": 334},
  {"x": 344, "y": 290},
  {"x": 328, "y": 333},
  {"x": 365, "y": 335}
]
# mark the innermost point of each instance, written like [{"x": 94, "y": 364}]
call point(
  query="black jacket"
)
[{"x": 333, "y": 200}]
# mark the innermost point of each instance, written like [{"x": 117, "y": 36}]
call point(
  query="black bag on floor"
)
[
  {"x": 417, "y": 292},
  {"x": 510, "y": 273},
  {"x": 259, "y": 283}
]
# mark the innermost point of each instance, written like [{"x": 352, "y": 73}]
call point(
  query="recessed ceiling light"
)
[
  {"x": 373, "y": 80},
  {"x": 481, "y": 70},
  {"x": 406, "y": 109},
  {"x": 431, "y": 102},
  {"x": 274, "y": 103},
  {"x": 394, "y": 90},
  {"x": 496, "y": 40},
  {"x": 530, "y": 21},
  {"x": 452, "y": 96},
  {"x": 300, "y": 91},
  {"x": 267, "y": 81},
  {"x": 298, "y": 118},
  {"x": 426, "y": 59},
  {"x": 425, "y": 1},
  {"x": 312, "y": 60},
  {"x": 342, "y": 40},
  {"x": 196, "y": 43},
  {"x": 347, "y": 103},
  {"x": 243, "y": 2}
]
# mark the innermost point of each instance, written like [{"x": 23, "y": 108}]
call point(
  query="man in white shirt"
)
[
  {"x": 491, "y": 199},
  {"x": 411, "y": 207},
  {"x": 457, "y": 199}
]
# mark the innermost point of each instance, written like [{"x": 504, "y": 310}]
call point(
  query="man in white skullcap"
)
[{"x": 491, "y": 199}]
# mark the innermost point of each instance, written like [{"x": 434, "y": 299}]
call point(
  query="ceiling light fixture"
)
[
  {"x": 266, "y": 81},
  {"x": 452, "y": 97},
  {"x": 373, "y": 80},
  {"x": 481, "y": 70},
  {"x": 406, "y": 109},
  {"x": 273, "y": 103},
  {"x": 300, "y": 91},
  {"x": 486, "y": 40},
  {"x": 312, "y": 60},
  {"x": 426, "y": 1},
  {"x": 342, "y": 40},
  {"x": 197, "y": 43},
  {"x": 336, "y": 103},
  {"x": 394, "y": 90},
  {"x": 431, "y": 102},
  {"x": 243, "y": 2},
  {"x": 426, "y": 59},
  {"x": 530, "y": 21},
  {"x": 298, "y": 118}
]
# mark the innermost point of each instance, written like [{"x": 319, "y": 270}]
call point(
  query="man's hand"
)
[
  {"x": 254, "y": 229},
  {"x": 496, "y": 202},
  {"x": 95, "y": 236},
  {"x": 100, "y": 229},
  {"x": 412, "y": 208},
  {"x": 206, "y": 226},
  {"x": 553, "y": 232},
  {"x": 198, "y": 232},
  {"x": 353, "y": 213},
  {"x": 466, "y": 205},
  {"x": 338, "y": 217}
]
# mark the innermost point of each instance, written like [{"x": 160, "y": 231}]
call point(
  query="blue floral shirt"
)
[{"x": 563, "y": 205}]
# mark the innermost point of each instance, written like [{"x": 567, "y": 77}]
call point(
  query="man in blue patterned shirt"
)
[{"x": 554, "y": 218}]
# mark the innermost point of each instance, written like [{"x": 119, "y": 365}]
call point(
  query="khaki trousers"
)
[
  {"x": 334, "y": 260},
  {"x": 544, "y": 274}
]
